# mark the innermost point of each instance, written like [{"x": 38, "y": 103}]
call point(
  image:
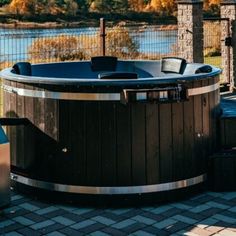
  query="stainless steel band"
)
[
  {"x": 108, "y": 190},
  {"x": 91, "y": 96},
  {"x": 203, "y": 90}
]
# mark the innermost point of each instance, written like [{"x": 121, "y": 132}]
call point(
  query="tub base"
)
[{"x": 110, "y": 200}]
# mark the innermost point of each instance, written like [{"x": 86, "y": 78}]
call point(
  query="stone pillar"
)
[
  {"x": 228, "y": 54},
  {"x": 190, "y": 30}
]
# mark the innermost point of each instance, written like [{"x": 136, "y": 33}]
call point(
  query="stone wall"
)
[
  {"x": 190, "y": 30},
  {"x": 228, "y": 10}
]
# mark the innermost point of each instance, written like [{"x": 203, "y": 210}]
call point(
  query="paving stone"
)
[
  {"x": 184, "y": 219},
  {"x": 187, "y": 232},
  {"x": 59, "y": 212},
  {"x": 216, "y": 194},
  {"x": 13, "y": 234},
  {"x": 6, "y": 223},
  {"x": 20, "y": 201},
  {"x": 10, "y": 228},
  {"x": 171, "y": 212},
  {"x": 91, "y": 214},
  {"x": 217, "y": 205},
  {"x": 155, "y": 231},
  {"x": 200, "y": 208},
  {"x": 46, "y": 210},
  {"x": 29, "y": 207},
  {"x": 181, "y": 206},
  {"x": 224, "y": 202},
  {"x": 113, "y": 216},
  {"x": 232, "y": 209},
  {"x": 20, "y": 212},
  {"x": 201, "y": 232},
  {"x": 24, "y": 221},
  {"x": 161, "y": 209},
  {"x": 82, "y": 211},
  {"x": 176, "y": 227},
  {"x": 62, "y": 220},
  {"x": 99, "y": 233},
  {"x": 224, "y": 224},
  {"x": 227, "y": 232},
  {"x": 228, "y": 213},
  {"x": 38, "y": 204},
  {"x": 142, "y": 219},
  {"x": 70, "y": 232},
  {"x": 224, "y": 218},
  {"x": 192, "y": 215},
  {"x": 207, "y": 222},
  {"x": 231, "y": 227},
  {"x": 51, "y": 228},
  {"x": 119, "y": 211},
  {"x": 156, "y": 217},
  {"x": 229, "y": 196},
  {"x": 113, "y": 231},
  {"x": 214, "y": 229},
  {"x": 142, "y": 233},
  {"x": 35, "y": 217},
  {"x": 92, "y": 228},
  {"x": 134, "y": 227},
  {"x": 16, "y": 197},
  {"x": 68, "y": 208},
  {"x": 55, "y": 233},
  {"x": 123, "y": 224},
  {"x": 11, "y": 209},
  {"x": 202, "y": 198},
  {"x": 83, "y": 224},
  {"x": 165, "y": 223},
  {"x": 42, "y": 224},
  {"x": 210, "y": 212},
  {"x": 132, "y": 213},
  {"x": 103, "y": 220},
  {"x": 29, "y": 232},
  {"x": 73, "y": 217}
]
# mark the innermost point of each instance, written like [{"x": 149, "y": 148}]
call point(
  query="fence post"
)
[
  {"x": 228, "y": 54},
  {"x": 102, "y": 36},
  {"x": 190, "y": 30}
]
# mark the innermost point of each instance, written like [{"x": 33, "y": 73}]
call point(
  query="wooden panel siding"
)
[{"x": 111, "y": 144}]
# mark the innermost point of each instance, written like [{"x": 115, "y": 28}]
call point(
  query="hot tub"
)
[{"x": 87, "y": 131}]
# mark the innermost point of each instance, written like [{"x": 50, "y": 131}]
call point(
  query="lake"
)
[{"x": 14, "y": 43}]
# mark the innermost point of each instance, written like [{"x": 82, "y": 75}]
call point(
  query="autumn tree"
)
[
  {"x": 83, "y": 5},
  {"x": 22, "y": 7},
  {"x": 68, "y": 47},
  {"x": 71, "y": 7},
  {"x": 137, "y": 5},
  {"x": 162, "y": 6}
]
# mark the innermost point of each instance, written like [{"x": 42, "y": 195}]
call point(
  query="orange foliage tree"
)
[
  {"x": 208, "y": 4},
  {"x": 168, "y": 6},
  {"x": 136, "y": 5},
  {"x": 23, "y": 7}
]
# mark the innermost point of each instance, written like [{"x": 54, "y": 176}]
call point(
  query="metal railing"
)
[{"x": 123, "y": 41}]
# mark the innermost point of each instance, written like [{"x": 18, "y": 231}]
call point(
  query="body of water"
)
[{"x": 14, "y": 43}]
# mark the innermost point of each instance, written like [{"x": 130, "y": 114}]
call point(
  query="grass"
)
[{"x": 215, "y": 61}]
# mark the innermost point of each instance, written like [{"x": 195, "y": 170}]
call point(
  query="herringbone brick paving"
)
[{"x": 208, "y": 213}]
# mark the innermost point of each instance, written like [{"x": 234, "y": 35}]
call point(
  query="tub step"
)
[
  {"x": 222, "y": 171},
  {"x": 4, "y": 169},
  {"x": 228, "y": 121}
]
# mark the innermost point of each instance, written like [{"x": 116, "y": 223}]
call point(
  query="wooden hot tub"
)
[{"x": 111, "y": 136}]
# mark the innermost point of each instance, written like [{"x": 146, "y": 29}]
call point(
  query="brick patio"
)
[{"x": 209, "y": 213}]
